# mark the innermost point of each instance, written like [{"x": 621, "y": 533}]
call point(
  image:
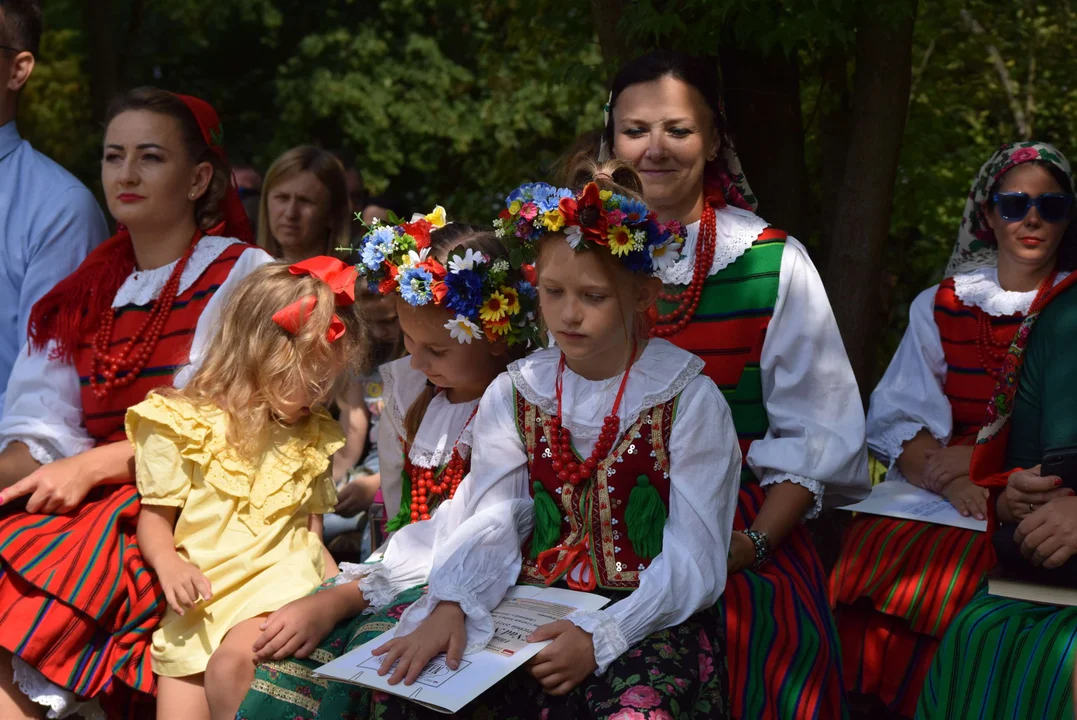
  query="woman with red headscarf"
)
[{"x": 77, "y": 604}]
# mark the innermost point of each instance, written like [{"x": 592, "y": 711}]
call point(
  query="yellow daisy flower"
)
[
  {"x": 512, "y": 299},
  {"x": 495, "y": 328},
  {"x": 495, "y": 307},
  {"x": 621, "y": 240}
]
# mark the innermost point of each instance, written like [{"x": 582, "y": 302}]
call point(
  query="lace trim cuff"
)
[
  {"x": 480, "y": 624},
  {"x": 373, "y": 582},
  {"x": 38, "y": 451},
  {"x": 606, "y": 635},
  {"x": 773, "y": 477}
]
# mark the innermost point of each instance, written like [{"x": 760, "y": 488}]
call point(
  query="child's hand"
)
[
  {"x": 295, "y": 630},
  {"x": 183, "y": 584},
  {"x": 442, "y": 632},
  {"x": 564, "y": 663}
]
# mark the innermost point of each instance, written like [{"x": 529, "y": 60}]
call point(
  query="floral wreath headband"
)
[
  {"x": 489, "y": 297},
  {"x": 623, "y": 225}
]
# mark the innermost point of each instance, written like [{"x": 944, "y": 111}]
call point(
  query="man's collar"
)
[{"x": 9, "y": 139}]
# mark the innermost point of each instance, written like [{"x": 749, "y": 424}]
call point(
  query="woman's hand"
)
[
  {"x": 53, "y": 489},
  {"x": 183, "y": 583},
  {"x": 1027, "y": 490},
  {"x": 741, "y": 553},
  {"x": 296, "y": 629},
  {"x": 945, "y": 465},
  {"x": 565, "y": 662},
  {"x": 442, "y": 632},
  {"x": 967, "y": 498},
  {"x": 1048, "y": 536}
]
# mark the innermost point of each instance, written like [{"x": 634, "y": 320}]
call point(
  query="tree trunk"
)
[
  {"x": 762, "y": 103},
  {"x": 97, "y": 19},
  {"x": 607, "y": 15},
  {"x": 834, "y": 118},
  {"x": 862, "y": 223}
]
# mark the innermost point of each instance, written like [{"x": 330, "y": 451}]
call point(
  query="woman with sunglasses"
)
[{"x": 1015, "y": 242}]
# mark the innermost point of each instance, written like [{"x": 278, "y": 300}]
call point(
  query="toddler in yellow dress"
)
[{"x": 234, "y": 474}]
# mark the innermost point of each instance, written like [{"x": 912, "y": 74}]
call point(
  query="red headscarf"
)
[{"x": 73, "y": 307}]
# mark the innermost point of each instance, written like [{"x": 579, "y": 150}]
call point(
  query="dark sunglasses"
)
[{"x": 1052, "y": 207}]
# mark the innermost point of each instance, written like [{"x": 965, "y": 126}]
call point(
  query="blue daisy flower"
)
[
  {"x": 415, "y": 286},
  {"x": 526, "y": 288},
  {"x": 463, "y": 293},
  {"x": 635, "y": 210}
]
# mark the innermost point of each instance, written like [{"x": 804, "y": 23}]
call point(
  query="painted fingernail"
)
[
  {"x": 1058, "y": 482},
  {"x": 1, "y": 499}
]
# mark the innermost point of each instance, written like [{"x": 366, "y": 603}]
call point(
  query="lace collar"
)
[
  {"x": 442, "y": 424},
  {"x": 736, "y": 229},
  {"x": 660, "y": 374},
  {"x": 143, "y": 286},
  {"x": 980, "y": 288}
]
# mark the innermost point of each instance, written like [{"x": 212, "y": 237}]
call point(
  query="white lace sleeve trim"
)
[
  {"x": 61, "y": 703},
  {"x": 143, "y": 286},
  {"x": 891, "y": 443},
  {"x": 773, "y": 477},
  {"x": 38, "y": 450},
  {"x": 980, "y": 288},
  {"x": 606, "y": 636},
  {"x": 736, "y": 230}
]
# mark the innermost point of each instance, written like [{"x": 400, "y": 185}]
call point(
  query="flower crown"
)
[
  {"x": 621, "y": 224},
  {"x": 489, "y": 298}
]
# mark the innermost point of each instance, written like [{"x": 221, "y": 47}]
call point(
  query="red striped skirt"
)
[
  {"x": 77, "y": 602},
  {"x": 896, "y": 588},
  {"x": 784, "y": 656}
]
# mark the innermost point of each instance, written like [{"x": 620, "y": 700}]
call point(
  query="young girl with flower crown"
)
[
  {"x": 464, "y": 314},
  {"x": 233, "y": 473},
  {"x": 608, "y": 464}
]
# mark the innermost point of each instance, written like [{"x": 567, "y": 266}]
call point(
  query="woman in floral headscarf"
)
[
  {"x": 898, "y": 583},
  {"x": 747, "y": 299}
]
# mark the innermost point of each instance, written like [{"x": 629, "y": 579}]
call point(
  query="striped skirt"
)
[
  {"x": 76, "y": 599},
  {"x": 896, "y": 588},
  {"x": 1003, "y": 659},
  {"x": 784, "y": 656}
]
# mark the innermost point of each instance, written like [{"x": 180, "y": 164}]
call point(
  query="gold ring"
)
[{"x": 1031, "y": 507}]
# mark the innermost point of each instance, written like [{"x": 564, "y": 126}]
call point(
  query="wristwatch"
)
[{"x": 762, "y": 547}]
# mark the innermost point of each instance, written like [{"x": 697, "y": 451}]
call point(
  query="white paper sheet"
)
[
  {"x": 441, "y": 688},
  {"x": 894, "y": 498}
]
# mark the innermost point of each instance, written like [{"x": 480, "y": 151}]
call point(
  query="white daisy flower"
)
[
  {"x": 663, "y": 256},
  {"x": 414, "y": 258},
  {"x": 467, "y": 261},
  {"x": 462, "y": 329},
  {"x": 574, "y": 236}
]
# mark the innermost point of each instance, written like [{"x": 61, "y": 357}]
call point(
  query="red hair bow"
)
[{"x": 339, "y": 276}]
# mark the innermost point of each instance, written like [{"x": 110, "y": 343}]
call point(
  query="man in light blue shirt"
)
[{"x": 49, "y": 221}]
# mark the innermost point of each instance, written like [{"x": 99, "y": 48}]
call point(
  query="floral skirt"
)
[{"x": 679, "y": 672}]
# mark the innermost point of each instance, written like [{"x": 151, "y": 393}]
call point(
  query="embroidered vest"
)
[
  {"x": 728, "y": 330},
  {"x": 596, "y": 509},
  {"x": 968, "y": 384},
  {"x": 104, "y": 418}
]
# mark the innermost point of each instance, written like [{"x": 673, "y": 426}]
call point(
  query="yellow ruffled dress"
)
[{"x": 242, "y": 523}]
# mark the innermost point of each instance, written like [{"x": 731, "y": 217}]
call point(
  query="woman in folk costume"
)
[
  {"x": 609, "y": 464},
  {"x": 464, "y": 313},
  {"x": 78, "y": 602},
  {"x": 899, "y": 583},
  {"x": 1005, "y": 658},
  {"x": 747, "y": 300}
]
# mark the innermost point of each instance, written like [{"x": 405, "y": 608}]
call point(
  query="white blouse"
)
[
  {"x": 477, "y": 550},
  {"x": 43, "y": 409},
  {"x": 910, "y": 396},
  {"x": 406, "y": 561},
  {"x": 816, "y": 435},
  {"x": 43, "y": 405}
]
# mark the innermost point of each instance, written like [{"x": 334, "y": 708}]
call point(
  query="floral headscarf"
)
[
  {"x": 976, "y": 244},
  {"x": 724, "y": 182}
]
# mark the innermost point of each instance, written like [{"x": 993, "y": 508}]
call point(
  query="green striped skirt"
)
[
  {"x": 289, "y": 690},
  {"x": 1003, "y": 658}
]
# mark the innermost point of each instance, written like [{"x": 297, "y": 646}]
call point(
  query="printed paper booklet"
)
[
  {"x": 895, "y": 498},
  {"x": 524, "y": 609}
]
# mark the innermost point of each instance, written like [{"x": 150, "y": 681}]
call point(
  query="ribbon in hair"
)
[{"x": 340, "y": 278}]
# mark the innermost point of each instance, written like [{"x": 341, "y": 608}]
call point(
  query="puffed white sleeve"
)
[
  {"x": 910, "y": 397},
  {"x": 479, "y": 533},
  {"x": 208, "y": 322},
  {"x": 43, "y": 407},
  {"x": 816, "y": 435},
  {"x": 690, "y": 572}
]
